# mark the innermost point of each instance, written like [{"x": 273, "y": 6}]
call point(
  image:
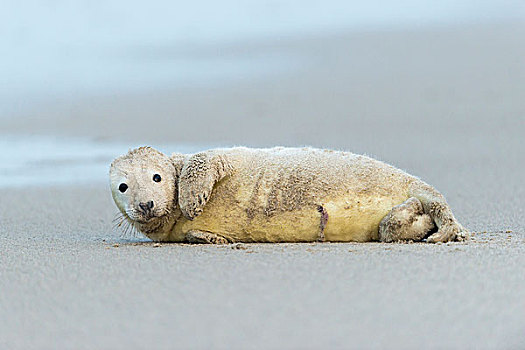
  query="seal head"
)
[{"x": 144, "y": 187}]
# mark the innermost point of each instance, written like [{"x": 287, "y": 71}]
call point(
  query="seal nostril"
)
[{"x": 146, "y": 207}]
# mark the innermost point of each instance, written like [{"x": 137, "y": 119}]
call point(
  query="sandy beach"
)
[{"x": 445, "y": 104}]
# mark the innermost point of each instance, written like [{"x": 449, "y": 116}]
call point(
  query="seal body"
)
[
  {"x": 299, "y": 195},
  {"x": 296, "y": 195}
]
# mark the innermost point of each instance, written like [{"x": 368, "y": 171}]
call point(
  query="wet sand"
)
[{"x": 445, "y": 104}]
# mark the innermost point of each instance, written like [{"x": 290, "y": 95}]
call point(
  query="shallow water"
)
[{"x": 34, "y": 161}]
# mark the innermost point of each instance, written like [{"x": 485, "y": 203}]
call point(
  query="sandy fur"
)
[{"x": 277, "y": 195}]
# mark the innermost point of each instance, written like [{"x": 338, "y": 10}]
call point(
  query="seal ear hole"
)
[
  {"x": 123, "y": 187},
  {"x": 157, "y": 178}
]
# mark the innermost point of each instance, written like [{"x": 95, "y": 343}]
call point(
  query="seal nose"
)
[{"x": 146, "y": 206}]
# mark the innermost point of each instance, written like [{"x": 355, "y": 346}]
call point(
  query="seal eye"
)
[
  {"x": 156, "y": 178},
  {"x": 123, "y": 187}
]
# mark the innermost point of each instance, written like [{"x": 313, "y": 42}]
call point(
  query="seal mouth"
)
[{"x": 147, "y": 219}]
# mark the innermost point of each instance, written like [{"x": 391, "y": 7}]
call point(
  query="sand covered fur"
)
[{"x": 276, "y": 195}]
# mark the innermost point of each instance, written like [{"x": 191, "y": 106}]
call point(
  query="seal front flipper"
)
[
  {"x": 195, "y": 236},
  {"x": 199, "y": 175}
]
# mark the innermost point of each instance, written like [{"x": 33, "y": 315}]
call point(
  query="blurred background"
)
[{"x": 74, "y": 49}]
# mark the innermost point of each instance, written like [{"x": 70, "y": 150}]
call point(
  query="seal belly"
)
[
  {"x": 347, "y": 220},
  {"x": 234, "y": 224}
]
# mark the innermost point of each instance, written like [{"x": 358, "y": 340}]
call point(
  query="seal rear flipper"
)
[
  {"x": 435, "y": 205},
  {"x": 406, "y": 221}
]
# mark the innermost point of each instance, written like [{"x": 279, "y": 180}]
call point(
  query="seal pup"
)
[{"x": 276, "y": 195}]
